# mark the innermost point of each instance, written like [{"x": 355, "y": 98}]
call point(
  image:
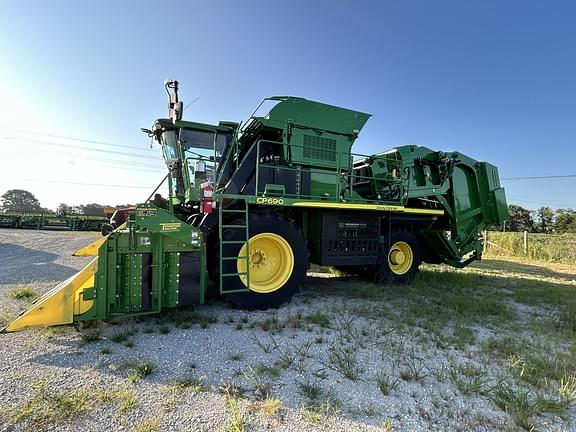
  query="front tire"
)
[
  {"x": 399, "y": 260},
  {"x": 277, "y": 263}
]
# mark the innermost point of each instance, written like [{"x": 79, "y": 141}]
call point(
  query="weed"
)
[
  {"x": 270, "y": 407},
  {"x": 270, "y": 324},
  {"x": 260, "y": 376},
  {"x": 387, "y": 425},
  {"x": 231, "y": 388},
  {"x": 139, "y": 369},
  {"x": 266, "y": 346},
  {"x": 344, "y": 360},
  {"x": 413, "y": 370},
  {"x": 567, "y": 390},
  {"x": 121, "y": 336},
  {"x": 319, "y": 318},
  {"x": 310, "y": 391},
  {"x": 236, "y": 423},
  {"x": 463, "y": 336},
  {"x": 193, "y": 384},
  {"x": 105, "y": 350},
  {"x": 125, "y": 398},
  {"x": 91, "y": 336},
  {"x": 236, "y": 356},
  {"x": 206, "y": 319},
  {"x": 164, "y": 328},
  {"x": 27, "y": 293},
  {"x": 523, "y": 405},
  {"x": 467, "y": 379},
  {"x": 148, "y": 425},
  {"x": 47, "y": 406},
  {"x": 385, "y": 383}
]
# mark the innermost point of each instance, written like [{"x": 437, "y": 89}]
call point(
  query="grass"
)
[
  {"x": 24, "y": 293},
  {"x": 271, "y": 407},
  {"x": 236, "y": 356},
  {"x": 179, "y": 387},
  {"x": 309, "y": 390},
  {"x": 121, "y": 336},
  {"x": 414, "y": 369},
  {"x": 91, "y": 336},
  {"x": 260, "y": 376},
  {"x": 164, "y": 329},
  {"x": 344, "y": 360},
  {"x": 48, "y": 406},
  {"x": 124, "y": 398},
  {"x": 148, "y": 425},
  {"x": 386, "y": 383},
  {"x": 318, "y": 318},
  {"x": 139, "y": 369},
  {"x": 524, "y": 405},
  {"x": 541, "y": 247},
  {"x": 236, "y": 422}
]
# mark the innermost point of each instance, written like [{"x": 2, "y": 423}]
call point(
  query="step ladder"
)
[{"x": 230, "y": 211}]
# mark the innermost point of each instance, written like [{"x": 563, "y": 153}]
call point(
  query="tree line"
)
[
  {"x": 20, "y": 200},
  {"x": 542, "y": 220}
]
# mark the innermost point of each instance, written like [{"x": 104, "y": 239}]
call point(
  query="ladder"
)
[{"x": 232, "y": 209}]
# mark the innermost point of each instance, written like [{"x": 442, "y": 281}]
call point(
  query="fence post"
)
[
  {"x": 525, "y": 242},
  {"x": 485, "y": 241}
]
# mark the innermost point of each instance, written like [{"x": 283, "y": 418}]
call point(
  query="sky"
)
[{"x": 495, "y": 80}]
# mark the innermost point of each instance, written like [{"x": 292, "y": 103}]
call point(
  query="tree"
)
[
  {"x": 565, "y": 221},
  {"x": 19, "y": 200},
  {"x": 519, "y": 219},
  {"x": 544, "y": 218},
  {"x": 93, "y": 209}
]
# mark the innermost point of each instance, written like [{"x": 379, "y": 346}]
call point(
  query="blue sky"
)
[{"x": 493, "y": 79}]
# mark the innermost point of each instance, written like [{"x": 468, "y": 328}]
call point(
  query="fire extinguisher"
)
[{"x": 207, "y": 197}]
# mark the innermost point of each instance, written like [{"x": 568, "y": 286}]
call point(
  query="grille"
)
[{"x": 316, "y": 147}]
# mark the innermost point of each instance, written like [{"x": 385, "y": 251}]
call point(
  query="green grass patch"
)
[
  {"x": 139, "y": 369},
  {"x": 25, "y": 293}
]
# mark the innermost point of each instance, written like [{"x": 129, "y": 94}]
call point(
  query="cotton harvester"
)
[{"x": 251, "y": 205}]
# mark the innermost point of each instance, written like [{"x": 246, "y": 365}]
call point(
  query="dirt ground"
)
[{"x": 490, "y": 347}]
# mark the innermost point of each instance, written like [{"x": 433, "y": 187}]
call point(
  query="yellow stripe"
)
[{"x": 379, "y": 207}]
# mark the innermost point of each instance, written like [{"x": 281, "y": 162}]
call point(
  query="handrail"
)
[{"x": 338, "y": 174}]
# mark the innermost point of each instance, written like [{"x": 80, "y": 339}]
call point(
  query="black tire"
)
[
  {"x": 255, "y": 300},
  {"x": 385, "y": 272}
]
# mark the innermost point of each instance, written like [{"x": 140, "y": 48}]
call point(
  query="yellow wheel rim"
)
[
  {"x": 400, "y": 258},
  {"x": 271, "y": 262}
]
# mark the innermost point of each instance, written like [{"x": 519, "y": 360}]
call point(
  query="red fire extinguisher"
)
[{"x": 207, "y": 197}]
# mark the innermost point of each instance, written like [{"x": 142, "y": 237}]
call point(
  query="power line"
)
[
  {"x": 84, "y": 148},
  {"x": 78, "y": 139},
  {"x": 540, "y": 177},
  {"x": 87, "y": 184}
]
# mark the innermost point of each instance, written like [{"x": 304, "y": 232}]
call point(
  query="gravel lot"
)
[{"x": 330, "y": 360}]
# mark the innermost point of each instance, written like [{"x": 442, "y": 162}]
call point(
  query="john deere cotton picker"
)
[{"x": 251, "y": 204}]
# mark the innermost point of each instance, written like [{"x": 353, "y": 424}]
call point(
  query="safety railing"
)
[{"x": 344, "y": 178}]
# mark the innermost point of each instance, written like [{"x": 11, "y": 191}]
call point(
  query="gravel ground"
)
[{"x": 315, "y": 364}]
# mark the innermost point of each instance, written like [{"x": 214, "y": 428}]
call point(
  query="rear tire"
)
[
  {"x": 399, "y": 261},
  {"x": 277, "y": 265}
]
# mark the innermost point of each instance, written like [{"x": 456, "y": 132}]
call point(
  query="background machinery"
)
[{"x": 251, "y": 205}]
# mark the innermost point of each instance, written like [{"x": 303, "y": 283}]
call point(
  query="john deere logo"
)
[{"x": 172, "y": 226}]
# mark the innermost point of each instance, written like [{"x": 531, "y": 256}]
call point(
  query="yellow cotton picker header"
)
[{"x": 251, "y": 204}]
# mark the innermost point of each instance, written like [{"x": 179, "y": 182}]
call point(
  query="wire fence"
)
[{"x": 560, "y": 248}]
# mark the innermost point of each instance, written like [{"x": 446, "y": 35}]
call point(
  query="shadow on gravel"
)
[
  {"x": 523, "y": 268},
  {"x": 22, "y": 265}
]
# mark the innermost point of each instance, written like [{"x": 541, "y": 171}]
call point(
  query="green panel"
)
[{"x": 316, "y": 115}]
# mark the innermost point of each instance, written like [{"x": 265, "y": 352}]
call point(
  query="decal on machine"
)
[
  {"x": 270, "y": 201},
  {"x": 171, "y": 226}
]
